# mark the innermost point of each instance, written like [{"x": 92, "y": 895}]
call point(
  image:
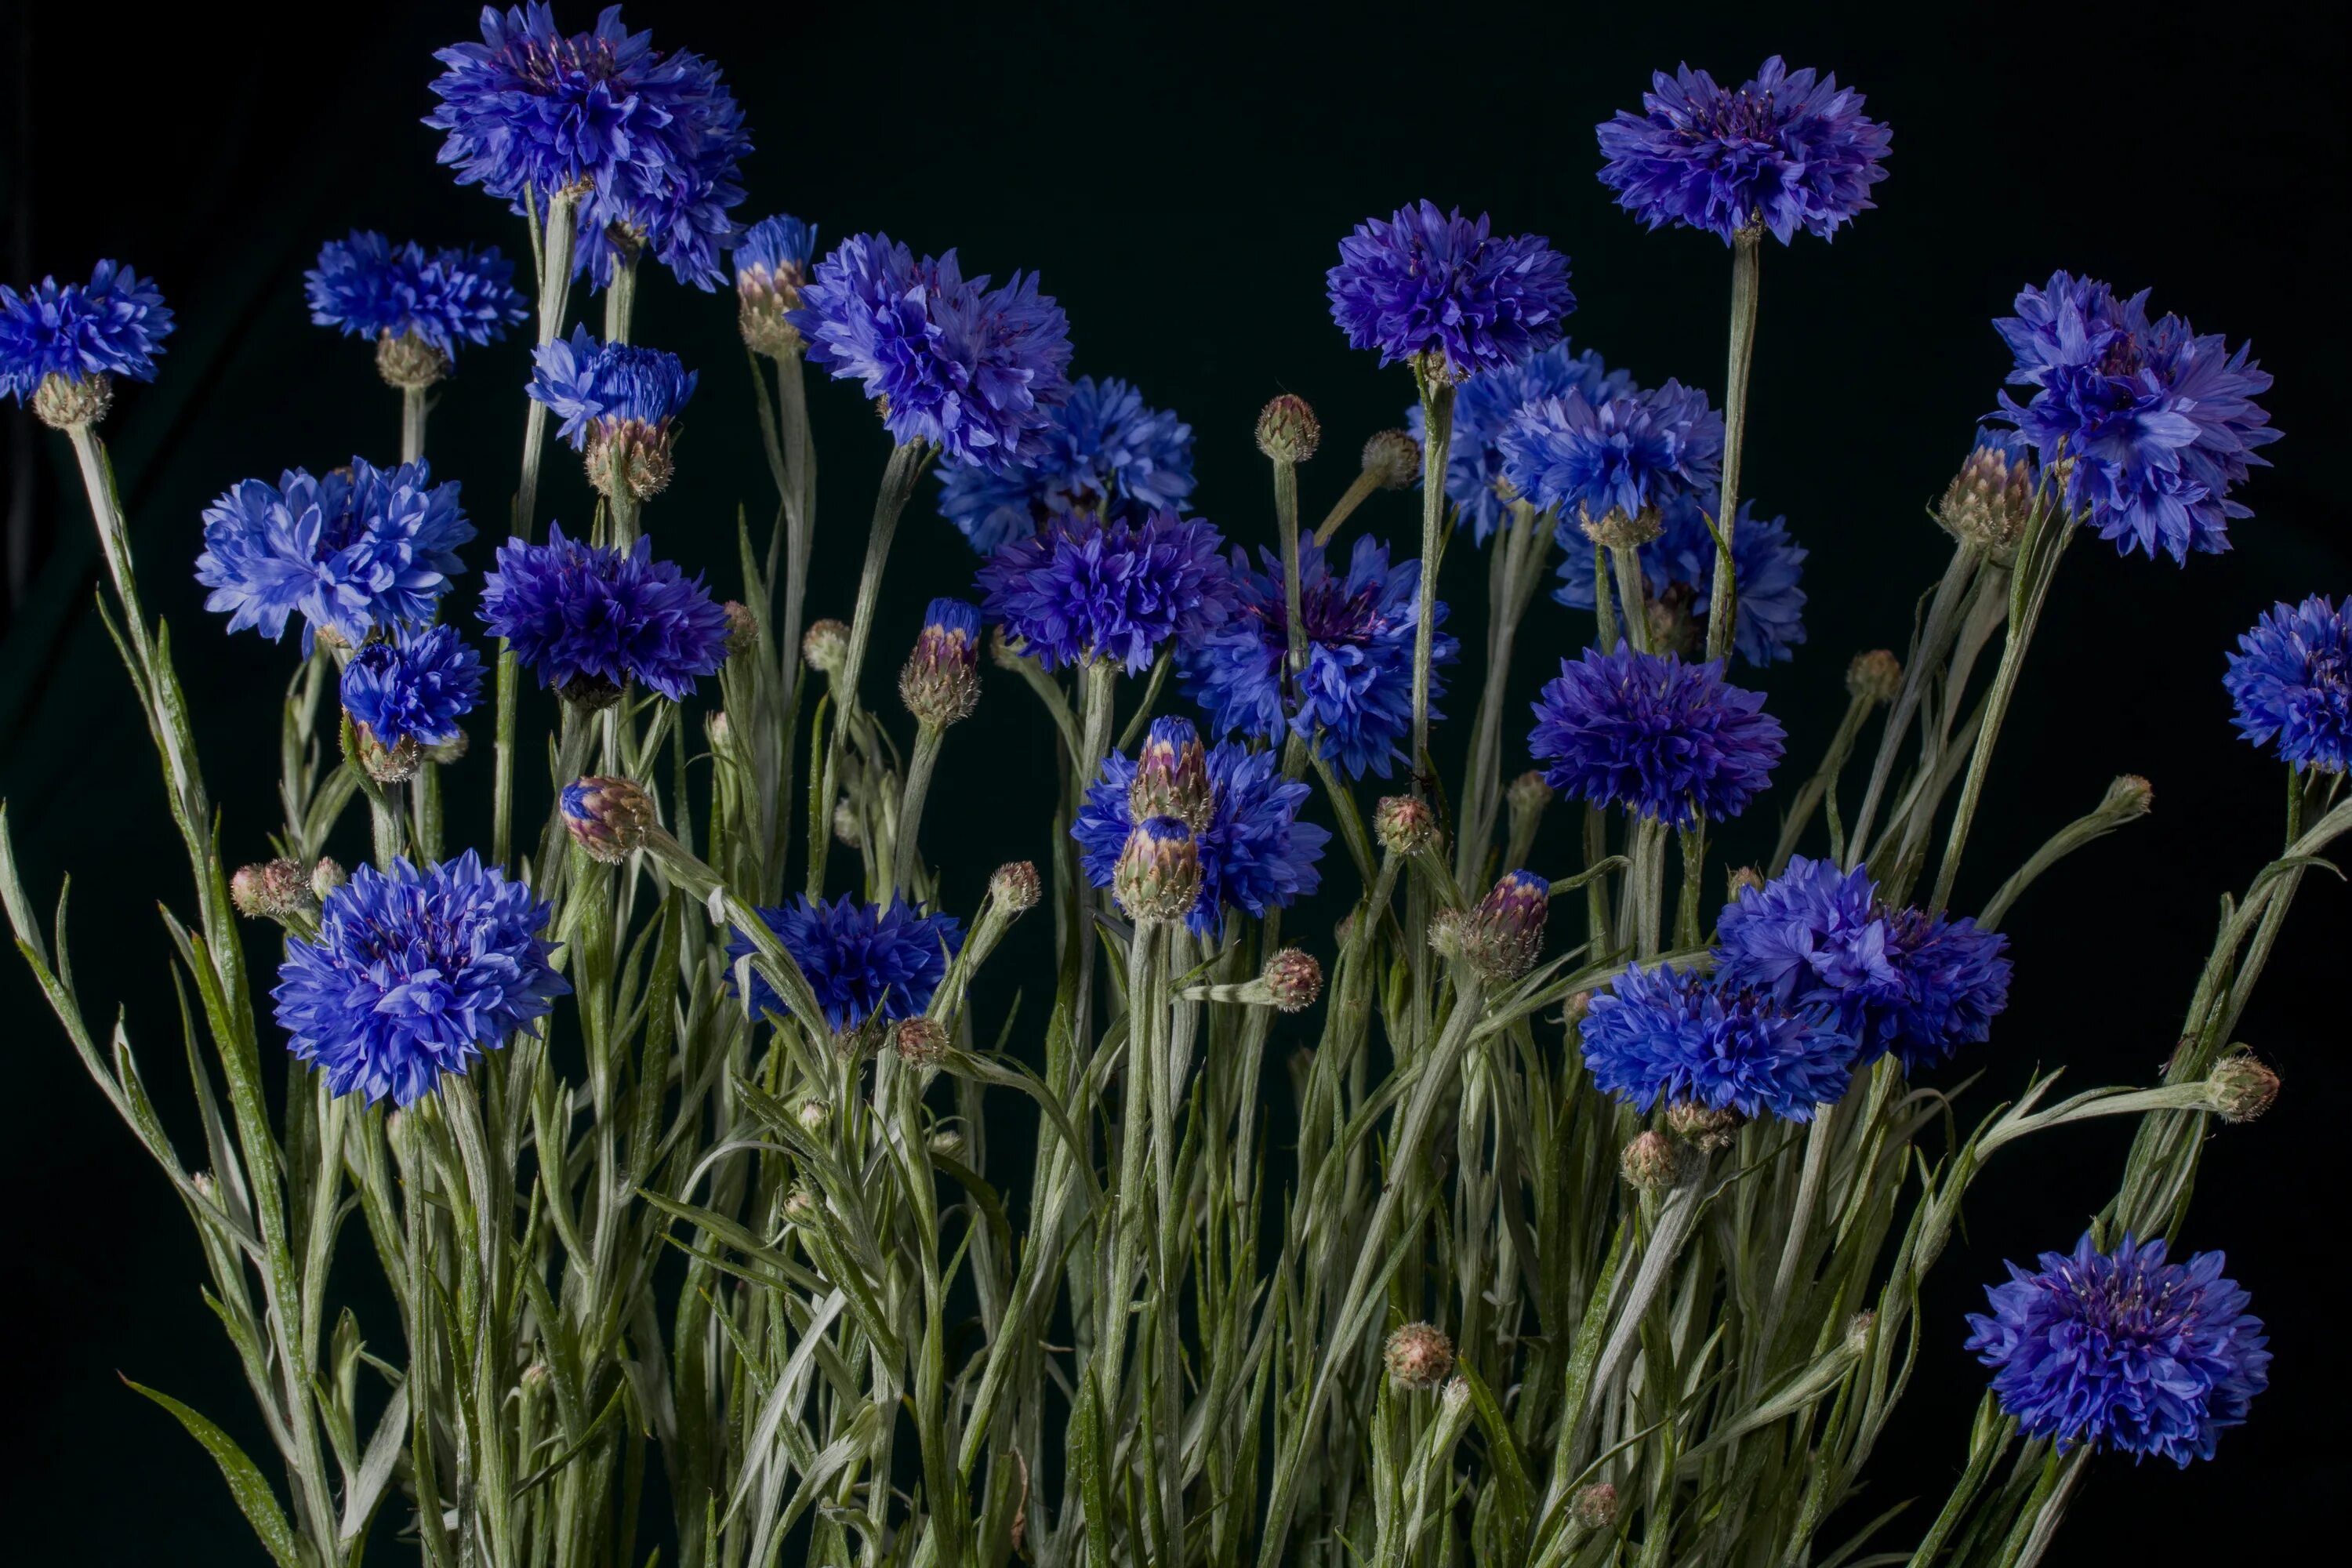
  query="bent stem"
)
[{"x": 1746, "y": 276}]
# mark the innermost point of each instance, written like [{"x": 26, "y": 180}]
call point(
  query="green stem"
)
[
  {"x": 1437, "y": 422},
  {"x": 1359, "y": 491},
  {"x": 1747, "y": 269},
  {"x": 1604, "y": 604},
  {"x": 919, "y": 766},
  {"x": 621, "y": 297},
  {"x": 1927, "y": 653},
  {"x": 412, "y": 423},
  {"x": 1633, "y": 595}
]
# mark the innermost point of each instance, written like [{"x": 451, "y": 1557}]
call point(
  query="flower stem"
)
[
  {"x": 1746, "y": 267},
  {"x": 919, "y": 765},
  {"x": 413, "y": 408},
  {"x": 1437, "y": 421},
  {"x": 621, "y": 298},
  {"x": 1359, "y": 491},
  {"x": 1520, "y": 553}
]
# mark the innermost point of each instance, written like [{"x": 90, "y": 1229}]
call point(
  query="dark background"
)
[{"x": 1179, "y": 183}]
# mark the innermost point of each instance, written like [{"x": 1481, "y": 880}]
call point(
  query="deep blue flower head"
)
[
  {"x": 1661, "y": 738},
  {"x": 1256, "y": 854},
  {"x": 976, "y": 370},
  {"x": 1474, "y": 459},
  {"x": 1677, "y": 1036},
  {"x": 353, "y": 550},
  {"x": 1786, "y": 151},
  {"x": 1105, "y": 454},
  {"x": 414, "y": 685},
  {"x": 2292, "y": 678},
  {"x": 1090, "y": 589},
  {"x": 2123, "y": 1348},
  {"x": 369, "y": 287},
  {"x": 1631, "y": 450},
  {"x": 1424, "y": 282},
  {"x": 775, "y": 249},
  {"x": 413, "y": 975},
  {"x": 589, "y": 384},
  {"x": 2161, "y": 424},
  {"x": 1357, "y": 690},
  {"x": 1767, "y": 570},
  {"x": 650, "y": 141},
  {"x": 113, "y": 326},
  {"x": 577, "y": 611},
  {"x": 860, "y": 961}
]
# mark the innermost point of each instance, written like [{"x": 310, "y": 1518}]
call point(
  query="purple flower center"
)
[
  {"x": 1333, "y": 616},
  {"x": 1741, "y": 117}
]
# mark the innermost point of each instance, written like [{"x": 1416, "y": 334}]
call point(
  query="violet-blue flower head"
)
[
  {"x": 1356, "y": 692},
  {"x": 2292, "y": 679},
  {"x": 1483, "y": 406},
  {"x": 589, "y": 384},
  {"x": 776, "y": 251},
  {"x": 1627, "y": 453},
  {"x": 114, "y": 325},
  {"x": 1787, "y": 151},
  {"x": 977, "y": 371},
  {"x": 414, "y": 685},
  {"x": 1256, "y": 854},
  {"x": 1105, "y": 454},
  {"x": 860, "y": 961},
  {"x": 2124, "y": 1350},
  {"x": 1677, "y": 1036},
  {"x": 352, "y": 549},
  {"x": 1767, "y": 574},
  {"x": 369, "y": 287},
  {"x": 1425, "y": 282},
  {"x": 579, "y": 612},
  {"x": 1664, "y": 739},
  {"x": 1087, "y": 589},
  {"x": 649, "y": 141},
  {"x": 414, "y": 973},
  {"x": 2161, "y": 424}
]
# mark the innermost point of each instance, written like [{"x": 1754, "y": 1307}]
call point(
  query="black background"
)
[{"x": 1180, "y": 181}]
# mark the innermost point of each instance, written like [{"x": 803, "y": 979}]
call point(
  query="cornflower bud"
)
[
  {"x": 1528, "y": 794},
  {"x": 919, "y": 1041},
  {"x": 1446, "y": 929},
  {"x": 1015, "y": 886},
  {"x": 765, "y": 296},
  {"x": 941, "y": 683},
  {"x": 1858, "y": 1329},
  {"x": 1502, "y": 938},
  {"x": 1704, "y": 1129},
  {"x": 1650, "y": 1162},
  {"x": 607, "y": 817},
  {"x": 70, "y": 402},
  {"x": 408, "y": 362},
  {"x": 1595, "y": 1506},
  {"x": 1288, "y": 430},
  {"x": 1404, "y": 825},
  {"x": 1740, "y": 879},
  {"x": 947, "y": 1144},
  {"x": 202, "y": 1182},
  {"x": 2239, "y": 1087},
  {"x": 1874, "y": 676},
  {"x": 1172, "y": 776},
  {"x": 1157, "y": 877},
  {"x": 1293, "y": 980},
  {"x": 742, "y": 627},
  {"x": 270, "y": 890},
  {"x": 629, "y": 455},
  {"x": 813, "y": 1115},
  {"x": 1456, "y": 1393},
  {"x": 1419, "y": 1355},
  {"x": 2127, "y": 799},
  {"x": 1393, "y": 457},
  {"x": 846, "y": 828},
  {"x": 826, "y": 646},
  {"x": 534, "y": 1377},
  {"x": 1618, "y": 528},
  {"x": 395, "y": 764},
  {"x": 1573, "y": 1011},
  {"x": 801, "y": 1206},
  {"x": 326, "y": 877},
  {"x": 1989, "y": 502}
]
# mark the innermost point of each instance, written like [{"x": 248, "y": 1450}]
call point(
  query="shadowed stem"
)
[
  {"x": 1437, "y": 422},
  {"x": 1746, "y": 267}
]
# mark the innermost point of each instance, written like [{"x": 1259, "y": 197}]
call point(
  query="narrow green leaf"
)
[{"x": 254, "y": 1498}]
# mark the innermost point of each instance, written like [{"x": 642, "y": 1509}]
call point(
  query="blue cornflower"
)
[
  {"x": 1766, "y": 568},
  {"x": 860, "y": 961},
  {"x": 1424, "y": 282},
  {"x": 353, "y": 550},
  {"x": 650, "y": 141},
  {"x": 414, "y": 686},
  {"x": 1087, "y": 589},
  {"x": 371, "y": 289},
  {"x": 1677, "y": 1036},
  {"x": 1902, "y": 981},
  {"x": 2160, "y": 423},
  {"x": 2123, "y": 1348},
  {"x": 772, "y": 265},
  {"x": 1786, "y": 151},
  {"x": 976, "y": 370},
  {"x": 113, "y": 326},
  {"x": 1667, "y": 740},
  {"x": 1474, "y": 459},
  {"x": 604, "y": 387},
  {"x": 589, "y": 620},
  {"x": 1256, "y": 854},
  {"x": 2292, "y": 679},
  {"x": 1357, "y": 689},
  {"x": 414, "y": 973},
  {"x": 1105, "y": 454},
  {"x": 1630, "y": 452}
]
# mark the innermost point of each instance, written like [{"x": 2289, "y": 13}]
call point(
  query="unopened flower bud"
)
[
  {"x": 1573, "y": 1012},
  {"x": 1618, "y": 528},
  {"x": 629, "y": 457},
  {"x": 1651, "y": 1163},
  {"x": 1419, "y": 1355},
  {"x": 408, "y": 362},
  {"x": 1595, "y": 1506},
  {"x": 270, "y": 890},
  {"x": 1456, "y": 1393},
  {"x": 1172, "y": 776},
  {"x": 1293, "y": 979},
  {"x": 1738, "y": 880},
  {"x": 1445, "y": 928},
  {"x": 947, "y": 1144},
  {"x": 2239, "y": 1087},
  {"x": 72, "y": 403},
  {"x": 846, "y": 826},
  {"x": 607, "y": 817},
  {"x": 326, "y": 877},
  {"x": 800, "y": 1205},
  {"x": 1704, "y": 1129},
  {"x": 2127, "y": 799},
  {"x": 1858, "y": 1330},
  {"x": 1157, "y": 877},
  {"x": 1404, "y": 825},
  {"x": 826, "y": 644},
  {"x": 1874, "y": 676},
  {"x": 534, "y": 1377},
  {"x": 1989, "y": 502},
  {"x": 813, "y": 1115},
  {"x": 765, "y": 298},
  {"x": 742, "y": 627},
  {"x": 921, "y": 1041},
  {"x": 941, "y": 683},
  {"x": 395, "y": 764},
  {"x": 202, "y": 1182},
  {"x": 1015, "y": 886},
  {"x": 1288, "y": 430},
  {"x": 1502, "y": 938},
  {"x": 1528, "y": 794},
  {"x": 1393, "y": 457}
]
